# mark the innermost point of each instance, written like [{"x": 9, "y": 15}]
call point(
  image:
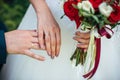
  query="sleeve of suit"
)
[{"x": 3, "y": 52}]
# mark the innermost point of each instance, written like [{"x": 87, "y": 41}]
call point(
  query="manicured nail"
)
[
  {"x": 57, "y": 55},
  {"x": 52, "y": 57},
  {"x": 74, "y": 38},
  {"x": 38, "y": 57},
  {"x": 85, "y": 50}
]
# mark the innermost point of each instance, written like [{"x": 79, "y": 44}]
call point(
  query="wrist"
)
[
  {"x": 38, "y": 5},
  {"x": 8, "y": 43},
  {"x": 3, "y": 52}
]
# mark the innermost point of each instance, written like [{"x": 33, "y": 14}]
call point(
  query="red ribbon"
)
[
  {"x": 102, "y": 32},
  {"x": 97, "y": 59}
]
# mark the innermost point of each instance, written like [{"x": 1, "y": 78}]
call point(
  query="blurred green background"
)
[{"x": 12, "y": 12}]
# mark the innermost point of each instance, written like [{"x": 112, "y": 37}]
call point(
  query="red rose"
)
[
  {"x": 115, "y": 15},
  {"x": 72, "y": 12},
  {"x": 75, "y": 0},
  {"x": 69, "y": 10},
  {"x": 96, "y": 3}
]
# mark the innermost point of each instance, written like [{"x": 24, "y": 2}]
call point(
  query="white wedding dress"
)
[{"x": 21, "y": 67}]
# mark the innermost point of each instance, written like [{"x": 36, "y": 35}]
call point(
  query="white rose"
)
[
  {"x": 79, "y": 5},
  {"x": 105, "y": 9},
  {"x": 87, "y": 6}
]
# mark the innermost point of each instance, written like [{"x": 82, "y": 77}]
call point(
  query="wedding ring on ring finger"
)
[{"x": 32, "y": 45}]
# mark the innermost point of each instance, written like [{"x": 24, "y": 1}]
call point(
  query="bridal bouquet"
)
[{"x": 98, "y": 17}]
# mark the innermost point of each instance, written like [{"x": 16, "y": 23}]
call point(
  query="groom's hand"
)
[{"x": 21, "y": 41}]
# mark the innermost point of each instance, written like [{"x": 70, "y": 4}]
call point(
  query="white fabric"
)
[{"x": 21, "y": 67}]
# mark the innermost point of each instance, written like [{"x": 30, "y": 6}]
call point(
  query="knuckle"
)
[
  {"x": 58, "y": 43},
  {"x": 24, "y": 52},
  {"x": 40, "y": 34},
  {"x": 47, "y": 38},
  {"x": 53, "y": 45},
  {"x": 78, "y": 33},
  {"x": 53, "y": 28},
  {"x": 31, "y": 54},
  {"x": 87, "y": 36},
  {"x": 79, "y": 40},
  {"x": 40, "y": 39},
  {"x": 58, "y": 30}
]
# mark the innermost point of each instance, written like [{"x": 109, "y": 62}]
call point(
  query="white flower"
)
[
  {"x": 79, "y": 5},
  {"x": 105, "y": 9},
  {"x": 86, "y": 6}
]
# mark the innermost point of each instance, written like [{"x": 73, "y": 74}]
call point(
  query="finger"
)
[
  {"x": 31, "y": 54},
  {"x": 36, "y": 46},
  {"x": 58, "y": 43},
  {"x": 35, "y": 40},
  {"x": 82, "y": 46},
  {"x": 83, "y": 35},
  {"x": 33, "y": 33},
  {"x": 47, "y": 43},
  {"x": 53, "y": 43},
  {"x": 80, "y": 40},
  {"x": 41, "y": 38},
  {"x": 85, "y": 50}
]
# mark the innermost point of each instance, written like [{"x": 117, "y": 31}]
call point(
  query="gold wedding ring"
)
[{"x": 32, "y": 45}]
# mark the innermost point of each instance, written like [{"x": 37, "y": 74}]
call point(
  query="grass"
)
[{"x": 12, "y": 12}]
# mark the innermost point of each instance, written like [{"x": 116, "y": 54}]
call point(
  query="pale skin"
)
[
  {"x": 49, "y": 35},
  {"x": 21, "y": 41},
  {"x": 83, "y": 40}
]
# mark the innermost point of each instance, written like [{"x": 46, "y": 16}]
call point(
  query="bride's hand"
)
[
  {"x": 21, "y": 41},
  {"x": 48, "y": 28},
  {"x": 83, "y": 40}
]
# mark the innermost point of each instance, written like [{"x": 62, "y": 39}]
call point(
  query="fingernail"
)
[
  {"x": 57, "y": 55},
  {"x": 74, "y": 38},
  {"x": 52, "y": 57},
  {"x": 37, "y": 57},
  {"x": 85, "y": 50}
]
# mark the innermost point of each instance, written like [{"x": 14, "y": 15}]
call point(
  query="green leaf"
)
[{"x": 95, "y": 18}]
